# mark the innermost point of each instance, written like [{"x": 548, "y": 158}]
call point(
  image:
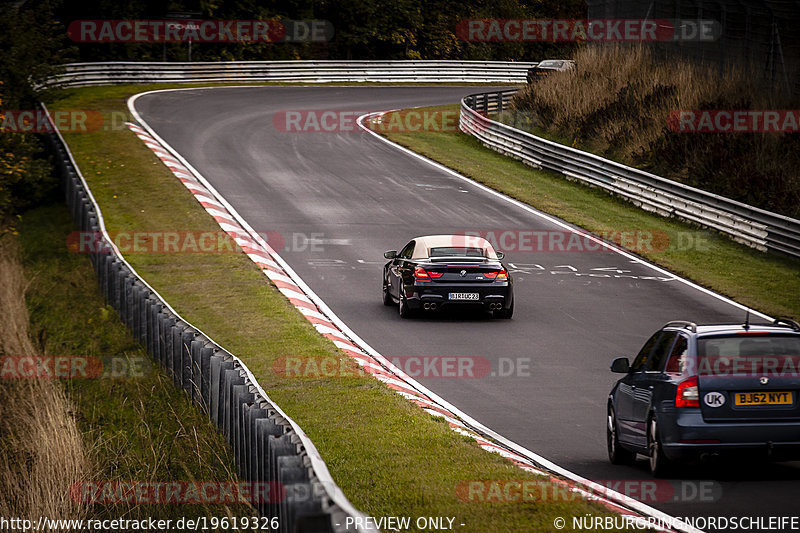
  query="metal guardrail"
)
[
  {"x": 269, "y": 447},
  {"x": 86, "y": 74},
  {"x": 749, "y": 225}
]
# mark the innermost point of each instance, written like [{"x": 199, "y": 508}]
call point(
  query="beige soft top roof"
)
[{"x": 424, "y": 244}]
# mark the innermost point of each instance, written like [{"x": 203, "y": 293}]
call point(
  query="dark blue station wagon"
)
[{"x": 696, "y": 391}]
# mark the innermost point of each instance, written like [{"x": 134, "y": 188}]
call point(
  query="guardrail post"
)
[
  {"x": 266, "y": 429},
  {"x": 299, "y": 498},
  {"x": 277, "y": 447},
  {"x": 195, "y": 374},
  {"x": 299, "y": 502},
  {"x": 206, "y": 353},
  {"x": 187, "y": 338},
  {"x": 176, "y": 353},
  {"x": 129, "y": 300},
  {"x": 252, "y": 415},
  {"x": 165, "y": 324},
  {"x": 233, "y": 378},
  {"x": 119, "y": 303},
  {"x": 243, "y": 399},
  {"x": 153, "y": 309},
  {"x": 136, "y": 298},
  {"x": 218, "y": 368}
]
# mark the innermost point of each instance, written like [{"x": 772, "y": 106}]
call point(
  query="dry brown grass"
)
[
  {"x": 617, "y": 93},
  {"x": 138, "y": 427},
  {"x": 617, "y": 100},
  {"x": 14, "y": 337},
  {"x": 43, "y": 453}
]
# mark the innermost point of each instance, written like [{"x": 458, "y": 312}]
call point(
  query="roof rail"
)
[
  {"x": 786, "y": 322},
  {"x": 681, "y": 324}
]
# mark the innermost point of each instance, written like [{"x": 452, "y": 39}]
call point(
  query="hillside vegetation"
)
[{"x": 617, "y": 103}]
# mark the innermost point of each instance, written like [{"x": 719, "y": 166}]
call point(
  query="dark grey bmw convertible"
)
[{"x": 436, "y": 272}]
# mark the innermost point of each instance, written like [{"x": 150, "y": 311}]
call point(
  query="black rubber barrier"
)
[{"x": 266, "y": 447}]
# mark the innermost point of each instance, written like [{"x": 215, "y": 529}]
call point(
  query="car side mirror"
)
[
  {"x": 500, "y": 255},
  {"x": 621, "y": 365},
  {"x": 391, "y": 254}
]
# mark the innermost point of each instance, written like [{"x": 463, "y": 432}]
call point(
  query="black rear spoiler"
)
[{"x": 457, "y": 259}]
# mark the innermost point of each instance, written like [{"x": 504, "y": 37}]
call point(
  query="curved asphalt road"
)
[{"x": 355, "y": 196}]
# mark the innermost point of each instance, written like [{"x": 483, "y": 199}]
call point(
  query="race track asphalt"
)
[{"x": 338, "y": 200}]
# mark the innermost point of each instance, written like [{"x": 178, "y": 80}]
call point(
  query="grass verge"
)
[
  {"x": 767, "y": 282},
  {"x": 389, "y": 457},
  {"x": 135, "y": 423}
]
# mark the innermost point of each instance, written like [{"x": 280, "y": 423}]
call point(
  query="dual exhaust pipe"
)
[{"x": 496, "y": 306}]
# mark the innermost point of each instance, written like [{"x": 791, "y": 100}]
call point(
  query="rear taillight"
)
[
  {"x": 688, "y": 394},
  {"x": 423, "y": 275},
  {"x": 500, "y": 275}
]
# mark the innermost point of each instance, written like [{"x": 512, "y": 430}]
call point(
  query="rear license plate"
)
[
  {"x": 463, "y": 296},
  {"x": 763, "y": 398}
]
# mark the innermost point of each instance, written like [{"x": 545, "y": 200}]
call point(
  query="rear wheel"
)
[
  {"x": 659, "y": 464},
  {"x": 405, "y": 311},
  {"x": 616, "y": 453},
  {"x": 387, "y": 297}
]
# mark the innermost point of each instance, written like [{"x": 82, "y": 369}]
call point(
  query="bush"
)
[{"x": 32, "y": 48}]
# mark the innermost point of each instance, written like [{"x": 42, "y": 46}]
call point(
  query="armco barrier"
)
[
  {"x": 744, "y": 223},
  {"x": 415, "y": 71},
  {"x": 267, "y": 444}
]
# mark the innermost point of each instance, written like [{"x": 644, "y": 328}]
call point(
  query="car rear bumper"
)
[
  {"x": 488, "y": 293},
  {"x": 689, "y": 436}
]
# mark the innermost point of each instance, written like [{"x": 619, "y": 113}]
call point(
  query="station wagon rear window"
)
[{"x": 749, "y": 355}]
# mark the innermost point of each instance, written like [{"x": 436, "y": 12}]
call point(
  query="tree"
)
[{"x": 31, "y": 45}]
